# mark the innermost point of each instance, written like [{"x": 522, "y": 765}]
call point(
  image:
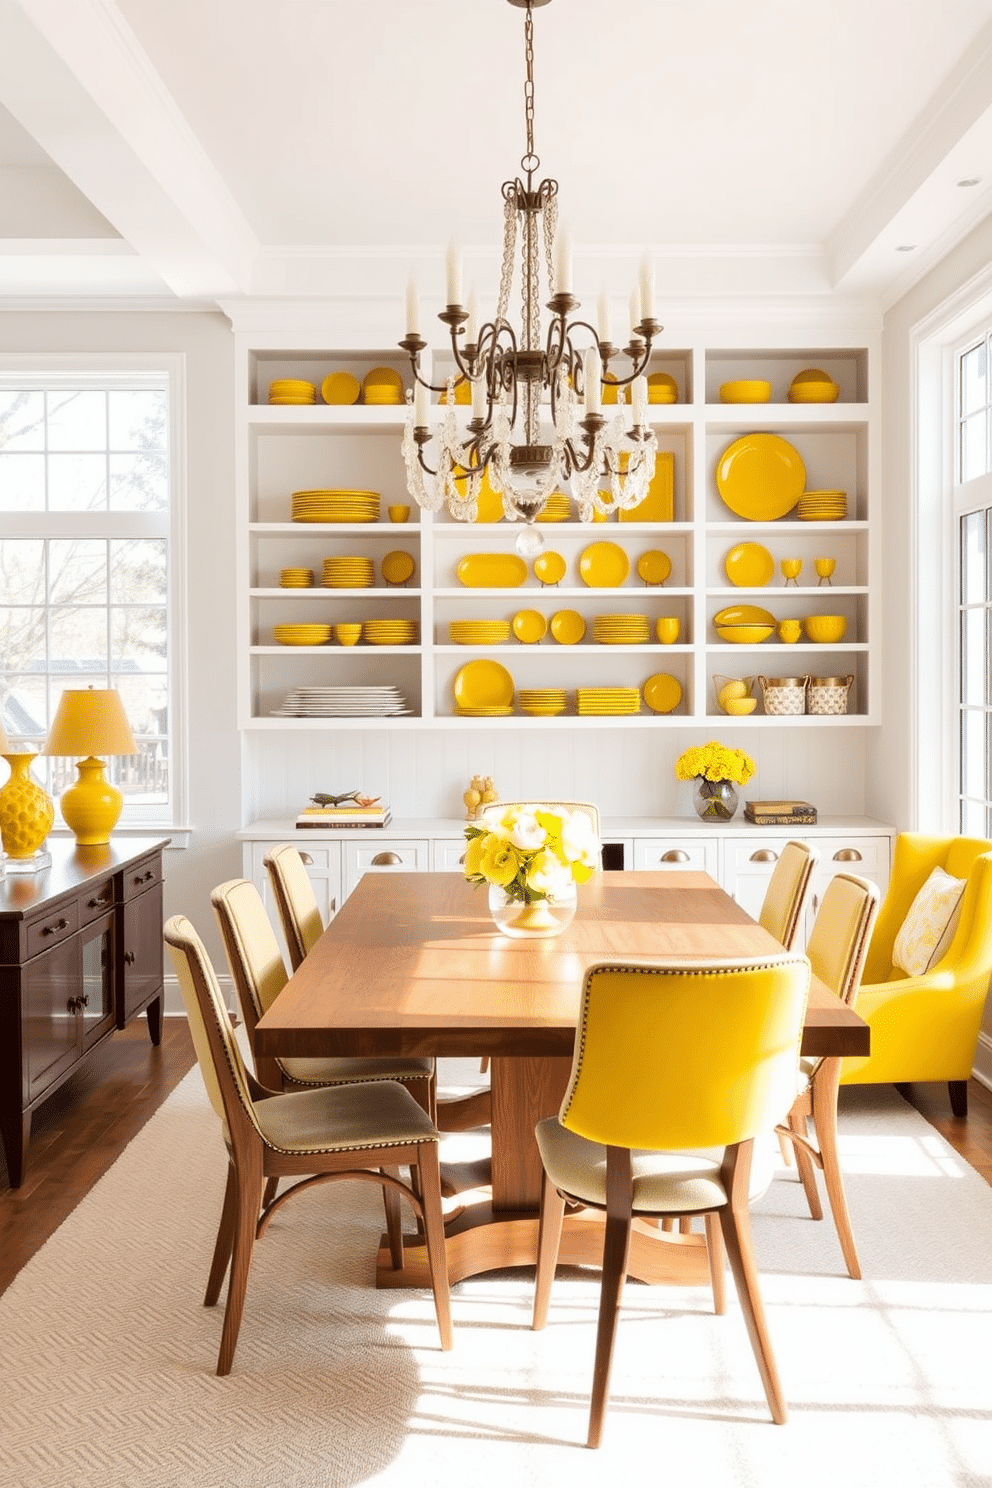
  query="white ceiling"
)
[{"x": 212, "y": 149}]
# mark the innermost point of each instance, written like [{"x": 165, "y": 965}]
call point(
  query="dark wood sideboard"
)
[{"x": 80, "y": 955}]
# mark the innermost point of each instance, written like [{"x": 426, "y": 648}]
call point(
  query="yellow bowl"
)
[
  {"x": 347, "y": 635},
  {"x": 745, "y": 635},
  {"x": 826, "y": 629},
  {"x": 740, "y": 707},
  {"x": 748, "y": 390},
  {"x": 814, "y": 392}
]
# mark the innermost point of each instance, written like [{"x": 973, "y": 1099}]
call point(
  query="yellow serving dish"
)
[
  {"x": 492, "y": 571},
  {"x": 825, "y": 629},
  {"x": 745, "y": 635},
  {"x": 743, "y": 615},
  {"x": 745, "y": 390}
]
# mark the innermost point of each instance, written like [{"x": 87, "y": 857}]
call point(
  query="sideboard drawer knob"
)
[
  {"x": 764, "y": 855},
  {"x": 306, "y": 858},
  {"x": 54, "y": 929},
  {"x": 847, "y": 855},
  {"x": 674, "y": 855},
  {"x": 386, "y": 860}
]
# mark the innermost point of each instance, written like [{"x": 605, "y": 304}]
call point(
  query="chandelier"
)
[{"x": 536, "y": 420}]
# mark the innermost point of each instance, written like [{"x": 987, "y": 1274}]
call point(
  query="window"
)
[
  {"x": 973, "y": 511},
  {"x": 86, "y": 559}
]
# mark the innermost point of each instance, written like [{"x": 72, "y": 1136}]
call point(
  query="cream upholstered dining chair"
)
[
  {"x": 837, "y": 947},
  {"x": 785, "y": 897},
  {"x": 318, "y": 1136},
  {"x": 259, "y": 974},
  {"x": 296, "y": 902},
  {"x": 670, "y": 1060}
]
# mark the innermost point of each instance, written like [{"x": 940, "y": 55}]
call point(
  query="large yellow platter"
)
[
  {"x": 662, "y": 693},
  {"x": 492, "y": 571},
  {"x": 659, "y": 504},
  {"x": 749, "y": 566},
  {"x": 567, "y": 627},
  {"x": 744, "y": 615},
  {"x": 760, "y": 477},
  {"x": 604, "y": 565},
  {"x": 483, "y": 684}
]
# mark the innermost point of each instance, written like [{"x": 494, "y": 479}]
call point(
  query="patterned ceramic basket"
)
[
  {"x": 828, "y": 694},
  {"x": 784, "y": 697}
]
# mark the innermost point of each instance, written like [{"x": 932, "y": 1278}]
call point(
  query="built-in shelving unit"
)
[{"x": 284, "y": 449}]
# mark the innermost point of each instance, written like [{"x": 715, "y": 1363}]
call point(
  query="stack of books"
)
[
  {"x": 780, "y": 813},
  {"x": 343, "y": 816}
]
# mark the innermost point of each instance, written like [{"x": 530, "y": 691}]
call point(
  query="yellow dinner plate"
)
[
  {"x": 760, "y": 477},
  {"x": 549, "y": 568},
  {"x": 483, "y": 684},
  {"x": 529, "y": 626},
  {"x": 654, "y": 566},
  {"x": 567, "y": 627},
  {"x": 397, "y": 567},
  {"x": 604, "y": 565},
  {"x": 659, "y": 504},
  {"x": 383, "y": 377},
  {"x": 492, "y": 571},
  {"x": 662, "y": 693},
  {"x": 340, "y": 387},
  {"x": 749, "y": 566},
  {"x": 744, "y": 615}
]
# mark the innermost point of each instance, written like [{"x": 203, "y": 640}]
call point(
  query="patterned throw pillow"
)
[{"x": 929, "y": 928}]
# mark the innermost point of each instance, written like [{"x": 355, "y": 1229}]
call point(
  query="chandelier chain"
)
[{"x": 530, "y": 161}]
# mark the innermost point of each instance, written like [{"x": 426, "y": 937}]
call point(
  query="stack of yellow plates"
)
[
  {"x": 823, "y": 506},
  {"x": 498, "y": 710},
  {"x": 301, "y": 635},
  {"x": 348, "y": 573},
  {"x": 608, "y": 700},
  {"x": 542, "y": 702},
  {"x": 479, "y": 632},
  {"x": 340, "y": 388},
  {"x": 292, "y": 390},
  {"x": 332, "y": 505},
  {"x": 557, "y": 508},
  {"x": 662, "y": 388},
  {"x": 382, "y": 385},
  {"x": 813, "y": 386},
  {"x": 390, "y": 632},
  {"x": 621, "y": 630},
  {"x": 295, "y": 578}
]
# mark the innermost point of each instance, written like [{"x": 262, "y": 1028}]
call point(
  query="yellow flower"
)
[
  {"x": 715, "y": 761},
  {"x": 499, "y": 861},
  {"x": 474, "y": 853}
]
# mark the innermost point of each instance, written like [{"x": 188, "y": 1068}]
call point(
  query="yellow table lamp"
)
[{"x": 91, "y": 721}]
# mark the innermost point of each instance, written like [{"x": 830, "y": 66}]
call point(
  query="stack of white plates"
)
[
  {"x": 331, "y": 505},
  {"x": 479, "y": 632},
  {"x": 390, "y": 632},
  {"x": 542, "y": 702},
  {"x": 342, "y": 702},
  {"x": 348, "y": 573},
  {"x": 608, "y": 700},
  {"x": 621, "y": 630},
  {"x": 823, "y": 506}
]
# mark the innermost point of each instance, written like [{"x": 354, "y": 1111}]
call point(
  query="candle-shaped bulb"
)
[
  {"x": 563, "y": 260},
  {"x": 421, "y": 403},
  {"x": 639, "y": 400},
  {"x": 472, "y": 324},
  {"x": 647, "y": 288},
  {"x": 480, "y": 402},
  {"x": 412, "y": 310},
  {"x": 635, "y": 309},
  {"x": 454, "y": 274},
  {"x": 603, "y": 317},
  {"x": 592, "y": 375}
]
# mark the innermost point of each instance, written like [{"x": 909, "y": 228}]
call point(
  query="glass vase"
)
[
  {"x": 537, "y": 919},
  {"x": 714, "y": 800}
]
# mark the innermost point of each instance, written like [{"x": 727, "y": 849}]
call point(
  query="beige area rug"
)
[{"x": 107, "y": 1355}]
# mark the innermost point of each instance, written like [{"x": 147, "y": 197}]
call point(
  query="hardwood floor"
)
[{"x": 83, "y": 1129}]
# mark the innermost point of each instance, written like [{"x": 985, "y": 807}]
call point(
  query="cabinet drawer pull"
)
[
  {"x": 461, "y": 861},
  {"x": 306, "y": 858},
  {"x": 764, "y": 855},
  {"x": 54, "y": 929},
  {"x": 386, "y": 859},
  {"x": 141, "y": 878},
  {"x": 76, "y": 1004},
  {"x": 105, "y": 898},
  {"x": 674, "y": 855},
  {"x": 847, "y": 855},
  {"x": 128, "y": 958}
]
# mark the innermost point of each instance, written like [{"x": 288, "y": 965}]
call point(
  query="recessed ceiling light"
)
[
  {"x": 970, "y": 181},
  {"x": 905, "y": 247}
]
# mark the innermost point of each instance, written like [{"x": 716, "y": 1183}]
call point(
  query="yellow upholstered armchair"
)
[{"x": 926, "y": 1027}]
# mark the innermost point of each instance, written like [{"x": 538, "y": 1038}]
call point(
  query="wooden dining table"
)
[{"x": 412, "y": 964}]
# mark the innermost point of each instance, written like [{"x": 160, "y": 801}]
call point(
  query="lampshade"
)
[{"x": 90, "y": 720}]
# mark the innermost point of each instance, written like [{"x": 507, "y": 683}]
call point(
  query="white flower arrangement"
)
[{"x": 532, "y": 852}]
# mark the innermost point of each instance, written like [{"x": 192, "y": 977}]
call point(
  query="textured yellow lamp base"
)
[
  {"x": 91, "y": 807},
  {"x": 26, "y": 810}
]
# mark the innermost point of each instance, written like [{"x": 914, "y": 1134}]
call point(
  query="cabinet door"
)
[
  {"x": 701, "y": 854},
  {"x": 749, "y": 866},
  {"x": 448, "y": 854},
  {"x": 382, "y": 857},
  {"x": 141, "y": 953},
  {"x": 49, "y": 992},
  {"x": 96, "y": 989},
  {"x": 868, "y": 857}
]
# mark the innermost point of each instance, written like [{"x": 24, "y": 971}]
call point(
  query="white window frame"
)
[{"x": 46, "y": 371}]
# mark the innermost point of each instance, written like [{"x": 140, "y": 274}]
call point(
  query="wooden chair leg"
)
[
  {"x": 958, "y": 1092},
  {"x": 824, "y": 1100},
  {"x": 394, "y": 1220},
  {"x": 804, "y": 1163},
  {"x": 785, "y": 1148},
  {"x": 616, "y": 1247},
  {"x": 271, "y": 1189},
  {"x": 548, "y": 1241},
  {"x": 429, "y": 1169},
  {"x": 735, "y": 1221},
  {"x": 225, "y": 1239},
  {"x": 717, "y": 1257},
  {"x": 249, "y": 1194}
]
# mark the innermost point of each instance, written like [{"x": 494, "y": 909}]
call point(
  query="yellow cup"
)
[
  {"x": 791, "y": 568},
  {"x": 667, "y": 629},
  {"x": 398, "y": 513},
  {"x": 347, "y": 635},
  {"x": 790, "y": 631}
]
